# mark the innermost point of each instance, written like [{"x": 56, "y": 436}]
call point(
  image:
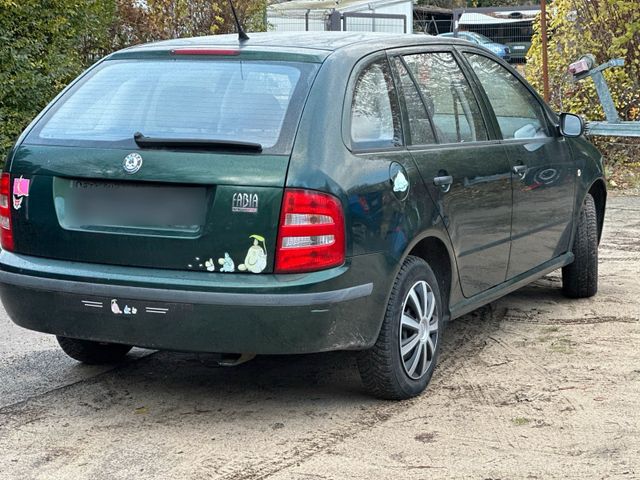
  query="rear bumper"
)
[{"x": 335, "y": 309}]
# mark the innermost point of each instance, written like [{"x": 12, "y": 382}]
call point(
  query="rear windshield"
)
[{"x": 245, "y": 101}]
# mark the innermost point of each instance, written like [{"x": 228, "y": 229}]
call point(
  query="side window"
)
[
  {"x": 454, "y": 110},
  {"x": 518, "y": 112},
  {"x": 375, "y": 120},
  {"x": 420, "y": 127}
]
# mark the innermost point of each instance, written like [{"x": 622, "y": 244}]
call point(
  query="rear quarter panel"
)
[{"x": 378, "y": 224}]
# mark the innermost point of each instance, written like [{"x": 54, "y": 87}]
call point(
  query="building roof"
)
[
  {"x": 500, "y": 17},
  {"x": 340, "y": 5},
  {"x": 431, "y": 9}
]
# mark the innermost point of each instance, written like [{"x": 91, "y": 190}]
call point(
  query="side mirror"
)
[{"x": 571, "y": 125}]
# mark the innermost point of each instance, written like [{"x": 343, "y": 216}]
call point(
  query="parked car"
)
[
  {"x": 502, "y": 51},
  {"x": 519, "y": 50},
  {"x": 293, "y": 194}
]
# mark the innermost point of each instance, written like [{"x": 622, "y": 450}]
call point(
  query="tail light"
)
[
  {"x": 311, "y": 232},
  {"x": 6, "y": 231}
]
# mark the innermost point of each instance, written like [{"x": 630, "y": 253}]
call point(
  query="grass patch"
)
[
  {"x": 520, "y": 421},
  {"x": 551, "y": 329},
  {"x": 562, "y": 345},
  {"x": 557, "y": 344}
]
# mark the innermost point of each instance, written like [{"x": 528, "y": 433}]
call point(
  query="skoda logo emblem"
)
[{"x": 132, "y": 163}]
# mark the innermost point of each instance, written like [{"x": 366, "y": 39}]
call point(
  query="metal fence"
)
[
  {"x": 314, "y": 20},
  {"x": 510, "y": 26},
  {"x": 433, "y": 26},
  {"x": 373, "y": 22},
  {"x": 298, "y": 21}
]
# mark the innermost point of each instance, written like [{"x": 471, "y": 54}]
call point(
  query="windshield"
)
[{"x": 225, "y": 100}]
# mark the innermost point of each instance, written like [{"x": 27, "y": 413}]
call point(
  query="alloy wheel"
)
[{"x": 418, "y": 330}]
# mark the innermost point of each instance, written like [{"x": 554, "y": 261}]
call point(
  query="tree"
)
[
  {"x": 140, "y": 22},
  {"x": 44, "y": 44},
  {"x": 606, "y": 28}
]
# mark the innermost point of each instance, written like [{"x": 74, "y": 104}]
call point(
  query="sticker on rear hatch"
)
[
  {"x": 209, "y": 265},
  {"x": 226, "y": 263},
  {"x": 256, "y": 259},
  {"x": 20, "y": 191}
]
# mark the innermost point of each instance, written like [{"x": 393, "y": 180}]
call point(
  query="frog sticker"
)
[{"x": 256, "y": 259}]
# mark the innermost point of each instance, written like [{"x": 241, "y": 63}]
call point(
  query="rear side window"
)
[
  {"x": 420, "y": 127},
  {"x": 519, "y": 114},
  {"x": 249, "y": 101},
  {"x": 456, "y": 115},
  {"x": 375, "y": 119}
]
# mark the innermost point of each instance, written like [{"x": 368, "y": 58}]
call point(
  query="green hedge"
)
[{"x": 44, "y": 44}]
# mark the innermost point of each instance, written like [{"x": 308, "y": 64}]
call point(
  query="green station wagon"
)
[{"x": 293, "y": 193}]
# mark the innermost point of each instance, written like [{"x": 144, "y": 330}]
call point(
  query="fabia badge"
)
[
  {"x": 245, "y": 202},
  {"x": 132, "y": 163}
]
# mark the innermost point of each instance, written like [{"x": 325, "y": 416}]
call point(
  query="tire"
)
[
  {"x": 580, "y": 278},
  {"x": 93, "y": 353},
  {"x": 385, "y": 372}
]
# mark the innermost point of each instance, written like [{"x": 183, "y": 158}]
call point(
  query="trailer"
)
[{"x": 613, "y": 126}]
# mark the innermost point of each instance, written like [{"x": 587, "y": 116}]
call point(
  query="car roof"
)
[{"x": 325, "y": 41}]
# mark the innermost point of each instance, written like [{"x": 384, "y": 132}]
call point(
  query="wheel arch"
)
[
  {"x": 437, "y": 253},
  {"x": 598, "y": 191}
]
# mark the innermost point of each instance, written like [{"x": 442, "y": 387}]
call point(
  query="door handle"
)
[
  {"x": 520, "y": 170},
  {"x": 443, "y": 182}
]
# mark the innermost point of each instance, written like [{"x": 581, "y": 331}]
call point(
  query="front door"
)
[
  {"x": 543, "y": 172},
  {"x": 466, "y": 173}
]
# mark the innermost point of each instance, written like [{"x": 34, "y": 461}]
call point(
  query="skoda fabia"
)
[{"x": 293, "y": 193}]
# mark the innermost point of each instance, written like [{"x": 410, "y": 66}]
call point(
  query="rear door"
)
[
  {"x": 200, "y": 188},
  {"x": 465, "y": 171},
  {"x": 543, "y": 170}
]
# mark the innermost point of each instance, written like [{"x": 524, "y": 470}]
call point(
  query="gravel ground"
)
[{"x": 533, "y": 386}]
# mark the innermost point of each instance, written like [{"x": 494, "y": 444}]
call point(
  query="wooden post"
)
[{"x": 545, "y": 60}]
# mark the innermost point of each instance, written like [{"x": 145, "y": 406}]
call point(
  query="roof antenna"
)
[{"x": 242, "y": 36}]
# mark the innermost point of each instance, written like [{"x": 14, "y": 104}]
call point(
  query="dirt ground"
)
[{"x": 533, "y": 386}]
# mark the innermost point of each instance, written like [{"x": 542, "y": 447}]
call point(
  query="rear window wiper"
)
[{"x": 195, "y": 143}]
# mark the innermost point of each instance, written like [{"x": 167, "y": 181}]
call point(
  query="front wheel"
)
[
  {"x": 580, "y": 278},
  {"x": 403, "y": 359},
  {"x": 93, "y": 353}
]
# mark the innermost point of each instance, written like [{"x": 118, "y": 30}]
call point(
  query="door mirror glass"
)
[{"x": 571, "y": 125}]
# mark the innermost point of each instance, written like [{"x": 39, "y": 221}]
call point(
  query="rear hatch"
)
[{"x": 164, "y": 159}]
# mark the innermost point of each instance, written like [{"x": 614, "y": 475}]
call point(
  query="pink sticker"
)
[{"x": 21, "y": 187}]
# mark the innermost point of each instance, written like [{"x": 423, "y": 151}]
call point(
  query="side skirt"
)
[{"x": 469, "y": 304}]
